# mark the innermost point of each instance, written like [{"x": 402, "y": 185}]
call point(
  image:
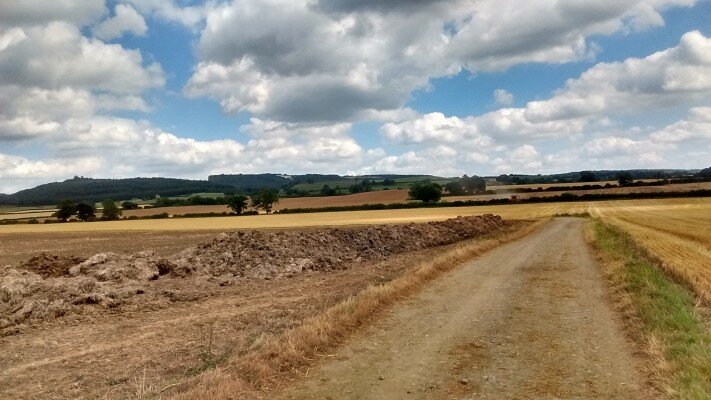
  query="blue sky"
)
[{"x": 171, "y": 88}]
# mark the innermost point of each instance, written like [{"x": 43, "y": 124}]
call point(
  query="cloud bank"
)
[{"x": 309, "y": 72}]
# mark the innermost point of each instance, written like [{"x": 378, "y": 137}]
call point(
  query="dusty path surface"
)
[{"x": 529, "y": 320}]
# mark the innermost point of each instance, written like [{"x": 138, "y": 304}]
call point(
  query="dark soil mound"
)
[{"x": 49, "y": 265}]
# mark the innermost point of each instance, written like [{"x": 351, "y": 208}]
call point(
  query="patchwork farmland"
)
[{"x": 119, "y": 285}]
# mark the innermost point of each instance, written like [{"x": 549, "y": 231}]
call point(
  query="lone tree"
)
[
  {"x": 237, "y": 203},
  {"x": 66, "y": 209},
  {"x": 426, "y": 192},
  {"x": 624, "y": 178},
  {"x": 473, "y": 184},
  {"x": 111, "y": 212},
  {"x": 454, "y": 188},
  {"x": 85, "y": 211},
  {"x": 265, "y": 199}
]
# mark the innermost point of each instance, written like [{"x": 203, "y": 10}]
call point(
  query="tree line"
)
[
  {"x": 265, "y": 200},
  {"x": 87, "y": 211}
]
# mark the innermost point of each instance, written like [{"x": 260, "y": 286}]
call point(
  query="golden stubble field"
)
[
  {"x": 677, "y": 232},
  {"x": 690, "y": 206},
  {"x": 516, "y": 211}
]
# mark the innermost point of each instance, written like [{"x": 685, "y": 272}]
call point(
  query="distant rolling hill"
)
[
  {"x": 95, "y": 190},
  {"x": 91, "y": 190}
]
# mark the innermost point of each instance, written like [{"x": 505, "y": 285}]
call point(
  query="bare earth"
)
[
  {"x": 529, "y": 320},
  {"x": 17, "y": 247},
  {"x": 105, "y": 355}
]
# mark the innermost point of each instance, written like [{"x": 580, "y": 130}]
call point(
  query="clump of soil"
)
[
  {"x": 49, "y": 265},
  {"x": 48, "y": 286}
]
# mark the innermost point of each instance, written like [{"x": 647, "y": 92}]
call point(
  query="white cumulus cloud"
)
[
  {"x": 125, "y": 20},
  {"x": 503, "y": 97},
  {"x": 299, "y": 60}
]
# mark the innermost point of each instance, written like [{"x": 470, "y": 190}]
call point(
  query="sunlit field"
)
[
  {"x": 677, "y": 232},
  {"x": 514, "y": 211}
]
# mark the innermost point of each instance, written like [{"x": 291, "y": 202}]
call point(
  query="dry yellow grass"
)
[
  {"x": 677, "y": 233},
  {"x": 26, "y": 214},
  {"x": 290, "y": 353}
]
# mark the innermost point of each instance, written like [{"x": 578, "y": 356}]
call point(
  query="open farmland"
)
[
  {"x": 678, "y": 233},
  {"x": 376, "y": 197},
  {"x": 39, "y": 214},
  {"x": 15, "y": 248},
  {"x": 133, "y": 323},
  {"x": 511, "y": 211},
  {"x": 373, "y": 197},
  {"x": 547, "y": 185},
  {"x": 507, "y": 191}
]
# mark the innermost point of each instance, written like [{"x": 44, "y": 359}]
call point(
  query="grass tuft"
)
[{"x": 665, "y": 315}]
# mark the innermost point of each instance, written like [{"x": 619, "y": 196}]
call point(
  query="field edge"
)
[{"x": 662, "y": 315}]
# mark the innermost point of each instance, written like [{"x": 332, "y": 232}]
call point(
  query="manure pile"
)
[{"x": 48, "y": 286}]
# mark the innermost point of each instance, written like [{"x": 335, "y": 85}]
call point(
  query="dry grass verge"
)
[{"x": 275, "y": 360}]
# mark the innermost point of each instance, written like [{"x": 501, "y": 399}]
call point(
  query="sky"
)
[{"x": 177, "y": 88}]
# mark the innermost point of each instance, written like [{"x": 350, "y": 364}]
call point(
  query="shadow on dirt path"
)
[{"x": 529, "y": 320}]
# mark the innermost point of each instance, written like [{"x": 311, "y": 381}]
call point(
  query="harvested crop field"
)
[
  {"x": 377, "y": 197},
  {"x": 15, "y": 248},
  {"x": 507, "y": 191},
  {"x": 159, "y": 316},
  {"x": 510, "y": 211},
  {"x": 679, "y": 236},
  {"x": 26, "y": 215}
]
